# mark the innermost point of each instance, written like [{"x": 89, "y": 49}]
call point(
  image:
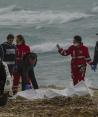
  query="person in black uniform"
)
[
  {"x": 3, "y": 77},
  {"x": 27, "y": 71},
  {"x": 8, "y": 52},
  {"x": 95, "y": 60}
]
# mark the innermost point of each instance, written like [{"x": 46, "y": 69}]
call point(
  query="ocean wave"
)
[
  {"x": 8, "y": 9},
  {"x": 95, "y": 9},
  {"x": 50, "y": 47},
  {"x": 46, "y": 47},
  {"x": 13, "y": 16}
]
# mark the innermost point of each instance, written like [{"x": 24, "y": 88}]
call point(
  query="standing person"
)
[
  {"x": 21, "y": 50},
  {"x": 8, "y": 52},
  {"x": 80, "y": 58},
  {"x": 95, "y": 60}
]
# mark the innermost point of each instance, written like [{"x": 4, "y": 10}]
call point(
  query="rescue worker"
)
[
  {"x": 80, "y": 58},
  {"x": 27, "y": 71},
  {"x": 8, "y": 52},
  {"x": 21, "y": 50}
]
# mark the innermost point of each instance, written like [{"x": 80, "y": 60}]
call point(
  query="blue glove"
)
[
  {"x": 94, "y": 67},
  {"x": 28, "y": 86}
]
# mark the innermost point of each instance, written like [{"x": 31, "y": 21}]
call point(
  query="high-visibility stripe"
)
[
  {"x": 87, "y": 59},
  {"x": 78, "y": 57},
  {"x": 90, "y": 62},
  {"x": 8, "y": 62}
]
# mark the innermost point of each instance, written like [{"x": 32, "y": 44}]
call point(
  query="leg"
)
[
  {"x": 32, "y": 78},
  {"x": 16, "y": 75},
  {"x": 16, "y": 83},
  {"x": 75, "y": 74},
  {"x": 11, "y": 69},
  {"x": 82, "y": 72}
]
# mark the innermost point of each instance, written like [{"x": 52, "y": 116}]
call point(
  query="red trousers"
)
[
  {"x": 78, "y": 73},
  {"x": 16, "y": 80}
]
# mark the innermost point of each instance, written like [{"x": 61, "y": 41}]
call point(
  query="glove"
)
[
  {"x": 94, "y": 67},
  {"x": 28, "y": 86}
]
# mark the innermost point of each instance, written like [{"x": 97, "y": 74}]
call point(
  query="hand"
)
[
  {"x": 58, "y": 46},
  {"x": 28, "y": 86},
  {"x": 94, "y": 67}
]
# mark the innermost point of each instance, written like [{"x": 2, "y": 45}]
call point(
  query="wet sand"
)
[{"x": 56, "y": 107}]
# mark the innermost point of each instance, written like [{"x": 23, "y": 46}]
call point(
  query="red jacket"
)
[
  {"x": 21, "y": 51},
  {"x": 80, "y": 55}
]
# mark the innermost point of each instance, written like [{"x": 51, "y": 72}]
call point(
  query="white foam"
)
[
  {"x": 47, "y": 47},
  {"x": 7, "y": 9},
  {"x": 95, "y": 9},
  {"x": 51, "y": 46},
  {"x": 8, "y": 16}
]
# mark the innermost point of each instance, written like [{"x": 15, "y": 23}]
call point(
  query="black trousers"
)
[{"x": 28, "y": 74}]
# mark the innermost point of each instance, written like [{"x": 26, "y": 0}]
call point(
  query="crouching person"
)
[
  {"x": 27, "y": 71},
  {"x": 5, "y": 83}
]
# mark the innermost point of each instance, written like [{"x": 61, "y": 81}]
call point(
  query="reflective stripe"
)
[
  {"x": 90, "y": 62},
  {"x": 8, "y": 62},
  {"x": 18, "y": 58},
  {"x": 78, "y": 57},
  {"x": 87, "y": 59}
]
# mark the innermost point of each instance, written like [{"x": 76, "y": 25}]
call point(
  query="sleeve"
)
[
  {"x": 95, "y": 60},
  {"x": 1, "y": 52},
  {"x": 29, "y": 49},
  {"x": 88, "y": 58},
  {"x": 15, "y": 54},
  {"x": 65, "y": 52}
]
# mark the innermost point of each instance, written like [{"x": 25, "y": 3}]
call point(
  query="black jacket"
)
[
  {"x": 95, "y": 61},
  {"x": 8, "y": 53}
]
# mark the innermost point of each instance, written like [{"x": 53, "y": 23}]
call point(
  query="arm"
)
[
  {"x": 1, "y": 52},
  {"x": 88, "y": 58},
  {"x": 64, "y": 52}
]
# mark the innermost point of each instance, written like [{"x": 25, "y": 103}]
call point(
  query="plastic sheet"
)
[{"x": 80, "y": 89}]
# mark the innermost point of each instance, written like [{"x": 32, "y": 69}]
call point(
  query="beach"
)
[
  {"x": 86, "y": 106},
  {"x": 46, "y": 23}
]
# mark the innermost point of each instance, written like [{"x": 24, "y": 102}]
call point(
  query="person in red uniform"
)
[
  {"x": 80, "y": 58},
  {"x": 21, "y": 50}
]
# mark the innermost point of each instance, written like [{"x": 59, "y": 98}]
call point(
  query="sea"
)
[{"x": 45, "y": 23}]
